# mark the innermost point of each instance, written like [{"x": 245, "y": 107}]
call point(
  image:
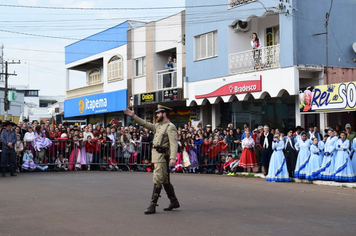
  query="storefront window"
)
[{"x": 275, "y": 112}]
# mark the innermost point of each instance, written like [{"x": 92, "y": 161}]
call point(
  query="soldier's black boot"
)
[
  {"x": 12, "y": 170},
  {"x": 3, "y": 171},
  {"x": 171, "y": 196},
  {"x": 155, "y": 195}
]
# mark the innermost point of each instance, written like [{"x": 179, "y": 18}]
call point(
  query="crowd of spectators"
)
[{"x": 44, "y": 146}]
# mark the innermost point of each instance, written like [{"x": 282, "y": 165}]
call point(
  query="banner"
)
[
  {"x": 96, "y": 104},
  {"x": 331, "y": 97}
]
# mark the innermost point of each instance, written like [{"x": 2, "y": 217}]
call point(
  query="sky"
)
[{"x": 34, "y": 35}]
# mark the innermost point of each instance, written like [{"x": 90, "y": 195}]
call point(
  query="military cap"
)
[
  {"x": 208, "y": 126},
  {"x": 161, "y": 108}
]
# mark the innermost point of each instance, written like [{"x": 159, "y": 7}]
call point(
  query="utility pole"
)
[{"x": 6, "y": 99}]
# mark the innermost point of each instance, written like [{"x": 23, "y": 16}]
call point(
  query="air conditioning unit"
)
[{"x": 242, "y": 26}]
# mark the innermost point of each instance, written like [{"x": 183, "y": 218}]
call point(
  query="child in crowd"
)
[
  {"x": 96, "y": 152},
  {"x": 206, "y": 169},
  {"x": 194, "y": 163},
  {"x": 220, "y": 165},
  {"x": 90, "y": 148},
  {"x": 39, "y": 165},
  {"x": 18, "y": 151},
  {"x": 104, "y": 164},
  {"x": 146, "y": 167},
  {"x": 112, "y": 164},
  {"x": 28, "y": 163},
  {"x": 234, "y": 166},
  {"x": 227, "y": 164},
  {"x": 61, "y": 163}
]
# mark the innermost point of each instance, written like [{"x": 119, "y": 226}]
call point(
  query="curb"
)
[{"x": 316, "y": 182}]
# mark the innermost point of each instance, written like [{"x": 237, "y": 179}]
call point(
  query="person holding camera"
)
[{"x": 164, "y": 153}]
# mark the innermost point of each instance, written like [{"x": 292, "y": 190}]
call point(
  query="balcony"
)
[
  {"x": 254, "y": 60},
  {"x": 83, "y": 91},
  {"x": 167, "y": 79}
]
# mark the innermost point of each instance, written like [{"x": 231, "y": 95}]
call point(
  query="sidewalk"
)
[{"x": 317, "y": 182}]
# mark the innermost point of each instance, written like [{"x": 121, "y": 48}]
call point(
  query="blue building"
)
[
  {"x": 102, "y": 59},
  {"x": 230, "y": 82}
]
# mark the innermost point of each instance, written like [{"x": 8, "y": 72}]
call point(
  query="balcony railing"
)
[
  {"x": 254, "y": 60},
  {"x": 167, "y": 79},
  {"x": 86, "y": 90},
  {"x": 237, "y": 3}
]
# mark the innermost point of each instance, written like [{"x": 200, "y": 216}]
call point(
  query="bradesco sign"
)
[
  {"x": 247, "y": 86},
  {"x": 96, "y": 104},
  {"x": 332, "y": 97}
]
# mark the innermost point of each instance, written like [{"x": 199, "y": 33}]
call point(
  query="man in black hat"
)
[
  {"x": 290, "y": 152},
  {"x": 8, "y": 139},
  {"x": 164, "y": 152}
]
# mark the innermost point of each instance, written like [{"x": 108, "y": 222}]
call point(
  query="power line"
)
[
  {"x": 86, "y": 39},
  {"x": 111, "y": 8}
]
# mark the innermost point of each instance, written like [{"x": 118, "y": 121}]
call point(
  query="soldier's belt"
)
[{"x": 160, "y": 149}]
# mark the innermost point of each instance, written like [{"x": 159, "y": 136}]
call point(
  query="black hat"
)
[
  {"x": 26, "y": 120},
  {"x": 290, "y": 129},
  {"x": 299, "y": 127},
  {"x": 8, "y": 122}
]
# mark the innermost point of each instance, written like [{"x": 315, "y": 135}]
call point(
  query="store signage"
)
[
  {"x": 170, "y": 95},
  {"x": 331, "y": 97},
  {"x": 96, "y": 104},
  {"x": 247, "y": 86},
  {"x": 148, "y": 97}
]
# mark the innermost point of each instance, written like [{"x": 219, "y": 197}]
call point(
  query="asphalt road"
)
[{"x": 112, "y": 203}]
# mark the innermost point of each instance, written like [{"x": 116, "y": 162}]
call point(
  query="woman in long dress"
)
[
  {"x": 343, "y": 168},
  {"x": 327, "y": 166},
  {"x": 314, "y": 161},
  {"x": 278, "y": 171},
  {"x": 302, "y": 146},
  {"x": 248, "y": 156},
  {"x": 75, "y": 155},
  {"x": 194, "y": 163},
  {"x": 83, "y": 152},
  {"x": 40, "y": 140},
  {"x": 353, "y": 151}
]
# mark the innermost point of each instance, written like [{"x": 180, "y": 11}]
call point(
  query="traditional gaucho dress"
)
[
  {"x": 248, "y": 157},
  {"x": 303, "y": 157},
  {"x": 343, "y": 171},
  {"x": 278, "y": 171}
]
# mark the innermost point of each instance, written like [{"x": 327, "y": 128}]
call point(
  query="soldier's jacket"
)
[{"x": 170, "y": 138}]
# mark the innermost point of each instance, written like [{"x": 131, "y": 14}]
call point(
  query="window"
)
[
  {"x": 272, "y": 35},
  {"x": 140, "y": 66},
  {"x": 94, "y": 76},
  {"x": 31, "y": 93},
  {"x": 206, "y": 45},
  {"x": 115, "y": 71}
]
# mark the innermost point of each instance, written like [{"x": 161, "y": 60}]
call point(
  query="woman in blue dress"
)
[
  {"x": 277, "y": 171},
  {"x": 327, "y": 166},
  {"x": 343, "y": 167},
  {"x": 302, "y": 146},
  {"x": 353, "y": 151},
  {"x": 321, "y": 145},
  {"x": 314, "y": 161}
]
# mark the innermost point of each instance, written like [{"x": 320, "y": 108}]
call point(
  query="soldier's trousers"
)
[
  {"x": 8, "y": 156},
  {"x": 160, "y": 173}
]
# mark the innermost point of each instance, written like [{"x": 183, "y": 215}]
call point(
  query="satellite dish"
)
[{"x": 354, "y": 46}]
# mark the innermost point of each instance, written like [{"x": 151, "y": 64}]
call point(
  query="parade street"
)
[{"x": 112, "y": 203}]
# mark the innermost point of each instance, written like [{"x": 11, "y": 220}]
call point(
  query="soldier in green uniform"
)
[{"x": 164, "y": 153}]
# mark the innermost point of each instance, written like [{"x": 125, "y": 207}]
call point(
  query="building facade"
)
[
  {"x": 156, "y": 67},
  {"x": 103, "y": 59},
  {"x": 227, "y": 81}
]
